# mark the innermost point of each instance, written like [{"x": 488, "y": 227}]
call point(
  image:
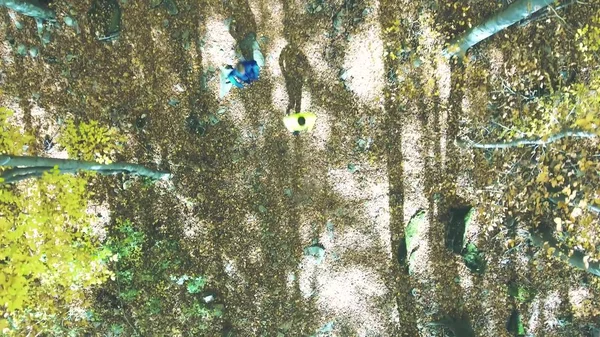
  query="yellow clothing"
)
[{"x": 302, "y": 121}]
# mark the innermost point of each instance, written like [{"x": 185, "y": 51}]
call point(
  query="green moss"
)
[
  {"x": 412, "y": 233},
  {"x": 151, "y": 280},
  {"x": 412, "y": 229},
  {"x": 521, "y": 293},
  {"x": 474, "y": 259}
]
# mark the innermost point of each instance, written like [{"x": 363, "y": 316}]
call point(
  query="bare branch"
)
[
  {"x": 27, "y": 167},
  {"x": 526, "y": 142},
  {"x": 33, "y": 8},
  {"x": 515, "y": 12}
]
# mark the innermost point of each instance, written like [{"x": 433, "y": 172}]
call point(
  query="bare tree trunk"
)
[
  {"x": 24, "y": 167},
  {"x": 32, "y": 8},
  {"x": 576, "y": 258},
  {"x": 523, "y": 142},
  {"x": 514, "y": 13}
]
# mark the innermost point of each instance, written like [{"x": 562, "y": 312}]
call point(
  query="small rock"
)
[
  {"x": 46, "y": 38},
  {"x": 327, "y": 328},
  {"x": 213, "y": 120},
  {"x": 127, "y": 184},
  {"x": 34, "y": 51},
  {"x": 69, "y": 21},
  {"x": 171, "y": 7},
  {"x": 21, "y": 49}
]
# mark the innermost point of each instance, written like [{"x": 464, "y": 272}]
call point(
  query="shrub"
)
[
  {"x": 90, "y": 141},
  {"x": 48, "y": 259}
]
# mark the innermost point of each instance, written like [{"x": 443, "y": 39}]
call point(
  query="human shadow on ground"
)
[{"x": 294, "y": 66}]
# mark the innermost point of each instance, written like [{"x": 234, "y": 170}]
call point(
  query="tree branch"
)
[
  {"x": 575, "y": 258},
  {"x": 17, "y": 174},
  {"x": 515, "y": 12},
  {"x": 27, "y": 167},
  {"x": 591, "y": 208},
  {"x": 32, "y": 8},
  {"x": 523, "y": 142}
]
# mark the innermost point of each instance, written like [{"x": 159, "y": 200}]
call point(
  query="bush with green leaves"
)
[
  {"x": 90, "y": 141},
  {"x": 48, "y": 256},
  {"x": 153, "y": 292},
  {"x": 12, "y": 140}
]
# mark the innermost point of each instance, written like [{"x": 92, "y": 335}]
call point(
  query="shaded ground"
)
[{"x": 247, "y": 197}]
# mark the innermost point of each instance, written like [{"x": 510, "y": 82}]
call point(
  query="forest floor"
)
[{"x": 247, "y": 197}]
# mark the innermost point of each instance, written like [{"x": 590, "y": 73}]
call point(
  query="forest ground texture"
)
[{"x": 247, "y": 197}]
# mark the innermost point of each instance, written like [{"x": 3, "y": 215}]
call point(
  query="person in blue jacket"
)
[
  {"x": 242, "y": 28},
  {"x": 245, "y": 72}
]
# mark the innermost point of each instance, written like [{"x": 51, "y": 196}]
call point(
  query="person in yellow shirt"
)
[{"x": 299, "y": 122}]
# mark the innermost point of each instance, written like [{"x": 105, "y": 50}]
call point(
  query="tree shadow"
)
[{"x": 243, "y": 25}]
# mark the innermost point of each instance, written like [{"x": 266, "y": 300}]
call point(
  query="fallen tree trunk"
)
[
  {"x": 514, "y": 13},
  {"x": 24, "y": 167},
  {"x": 525, "y": 141},
  {"x": 591, "y": 208},
  {"x": 32, "y": 8},
  {"x": 576, "y": 259}
]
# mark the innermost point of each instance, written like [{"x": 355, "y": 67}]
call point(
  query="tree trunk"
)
[
  {"x": 515, "y": 12},
  {"x": 577, "y": 259},
  {"x": 28, "y": 167},
  {"x": 32, "y": 8},
  {"x": 525, "y": 142}
]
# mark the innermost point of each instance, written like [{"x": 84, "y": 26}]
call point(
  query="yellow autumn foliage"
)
[
  {"x": 90, "y": 141},
  {"x": 48, "y": 257}
]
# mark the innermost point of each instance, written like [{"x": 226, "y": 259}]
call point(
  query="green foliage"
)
[
  {"x": 571, "y": 107},
  {"x": 193, "y": 284},
  {"x": 589, "y": 36},
  {"x": 457, "y": 228},
  {"x": 146, "y": 296},
  {"x": 474, "y": 259},
  {"x": 49, "y": 258},
  {"x": 521, "y": 293},
  {"x": 128, "y": 244},
  {"x": 90, "y": 141},
  {"x": 558, "y": 186},
  {"x": 515, "y": 324},
  {"x": 196, "y": 285},
  {"x": 12, "y": 141},
  {"x": 411, "y": 233},
  {"x": 567, "y": 172},
  {"x": 412, "y": 229}
]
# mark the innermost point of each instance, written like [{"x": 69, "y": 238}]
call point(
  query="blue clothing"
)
[{"x": 251, "y": 72}]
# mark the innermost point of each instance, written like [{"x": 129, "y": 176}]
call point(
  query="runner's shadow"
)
[{"x": 294, "y": 66}]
